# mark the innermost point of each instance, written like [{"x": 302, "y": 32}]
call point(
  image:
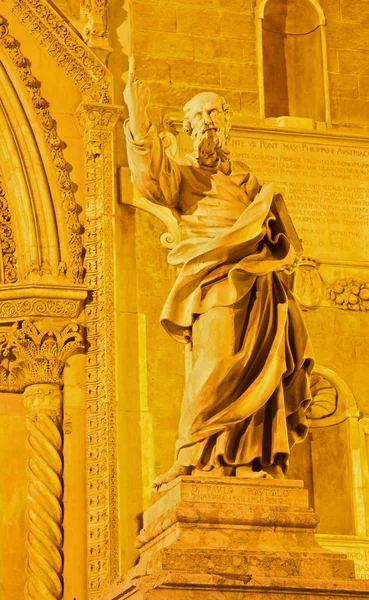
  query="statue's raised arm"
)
[
  {"x": 137, "y": 97},
  {"x": 154, "y": 174}
]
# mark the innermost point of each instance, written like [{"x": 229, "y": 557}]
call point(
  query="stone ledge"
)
[{"x": 184, "y": 586}]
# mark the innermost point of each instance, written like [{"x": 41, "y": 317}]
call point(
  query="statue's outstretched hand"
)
[{"x": 137, "y": 97}]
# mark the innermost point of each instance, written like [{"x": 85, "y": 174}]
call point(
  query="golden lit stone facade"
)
[{"x": 90, "y": 384}]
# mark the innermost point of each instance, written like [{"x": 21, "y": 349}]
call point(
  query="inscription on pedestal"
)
[
  {"x": 327, "y": 185},
  {"x": 243, "y": 495}
]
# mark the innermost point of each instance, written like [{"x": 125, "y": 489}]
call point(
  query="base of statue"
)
[{"x": 235, "y": 539}]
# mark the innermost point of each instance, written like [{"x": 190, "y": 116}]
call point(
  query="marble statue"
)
[{"x": 245, "y": 400}]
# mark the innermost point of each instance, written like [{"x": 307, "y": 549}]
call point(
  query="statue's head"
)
[{"x": 207, "y": 118}]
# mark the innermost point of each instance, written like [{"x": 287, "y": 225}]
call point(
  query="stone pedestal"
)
[{"x": 235, "y": 539}]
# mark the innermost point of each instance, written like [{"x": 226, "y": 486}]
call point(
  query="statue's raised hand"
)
[{"x": 137, "y": 97}]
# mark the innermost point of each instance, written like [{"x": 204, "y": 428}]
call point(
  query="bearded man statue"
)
[{"x": 248, "y": 390}]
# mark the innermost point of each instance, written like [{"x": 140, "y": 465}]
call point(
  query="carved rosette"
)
[{"x": 33, "y": 362}]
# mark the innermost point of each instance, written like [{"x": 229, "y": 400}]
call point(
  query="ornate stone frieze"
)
[
  {"x": 60, "y": 41},
  {"x": 349, "y": 294},
  {"x": 21, "y": 302},
  {"x": 97, "y": 123},
  {"x": 39, "y": 307},
  {"x": 8, "y": 250},
  {"x": 55, "y": 147}
]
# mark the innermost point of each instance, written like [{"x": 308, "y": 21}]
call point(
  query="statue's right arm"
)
[{"x": 154, "y": 174}]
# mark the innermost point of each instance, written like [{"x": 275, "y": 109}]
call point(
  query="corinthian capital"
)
[{"x": 39, "y": 353}]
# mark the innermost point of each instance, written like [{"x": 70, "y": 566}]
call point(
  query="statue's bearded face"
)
[{"x": 207, "y": 122}]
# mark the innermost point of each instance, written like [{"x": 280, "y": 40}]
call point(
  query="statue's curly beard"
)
[{"x": 210, "y": 148}]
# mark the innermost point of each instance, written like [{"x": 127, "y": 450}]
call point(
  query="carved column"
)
[
  {"x": 39, "y": 355},
  {"x": 97, "y": 123},
  {"x": 44, "y": 494}
]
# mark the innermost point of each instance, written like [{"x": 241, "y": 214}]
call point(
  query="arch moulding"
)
[{"x": 261, "y": 4}]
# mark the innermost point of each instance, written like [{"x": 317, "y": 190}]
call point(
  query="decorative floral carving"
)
[
  {"x": 55, "y": 147},
  {"x": 8, "y": 252},
  {"x": 85, "y": 69},
  {"x": 30, "y": 355},
  {"x": 349, "y": 294},
  {"x": 40, "y": 354}
]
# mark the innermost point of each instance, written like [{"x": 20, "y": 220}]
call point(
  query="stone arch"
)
[
  {"x": 293, "y": 78},
  {"x": 260, "y": 9},
  {"x": 39, "y": 190},
  {"x": 329, "y": 461}
]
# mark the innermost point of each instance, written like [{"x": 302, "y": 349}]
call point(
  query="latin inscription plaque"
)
[
  {"x": 327, "y": 181},
  {"x": 248, "y": 494},
  {"x": 355, "y": 548}
]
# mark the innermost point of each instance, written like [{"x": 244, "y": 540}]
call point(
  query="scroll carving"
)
[
  {"x": 33, "y": 307},
  {"x": 55, "y": 146},
  {"x": 333, "y": 401},
  {"x": 8, "y": 249},
  {"x": 325, "y": 398}
]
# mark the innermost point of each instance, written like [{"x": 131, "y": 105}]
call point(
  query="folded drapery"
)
[{"x": 248, "y": 389}]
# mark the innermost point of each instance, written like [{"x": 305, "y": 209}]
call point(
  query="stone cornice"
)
[{"x": 70, "y": 52}]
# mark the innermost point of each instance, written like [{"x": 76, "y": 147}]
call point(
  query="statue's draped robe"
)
[{"x": 247, "y": 404}]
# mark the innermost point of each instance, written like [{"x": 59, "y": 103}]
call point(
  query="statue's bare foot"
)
[
  {"x": 175, "y": 471},
  {"x": 246, "y": 471},
  {"x": 276, "y": 472}
]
